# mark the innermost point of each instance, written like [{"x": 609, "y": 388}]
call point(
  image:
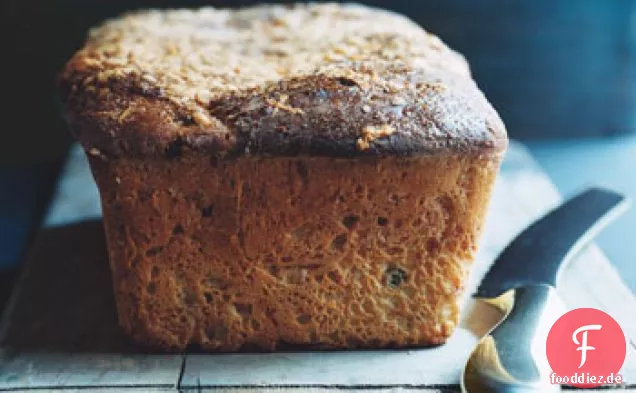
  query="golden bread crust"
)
[{"x": 304, "y": 79}]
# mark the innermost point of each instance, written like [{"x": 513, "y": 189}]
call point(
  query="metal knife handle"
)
[
  {"x": 511, "y": 358},
  {"x": 536, "y": 254}
]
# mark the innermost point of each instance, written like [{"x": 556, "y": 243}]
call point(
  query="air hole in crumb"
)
[
  {"x": 177, "y": 230},
  {"x": 190, "y": 298},
  {"x": 350, "y": 221},
  {"x": 226, "y": 298},
  {"x": 382, "y": 221},
  {"x": 287, "y": 259},
  {"x": 335, "y": 276},
  {"x": 135, "y": 262},
  {"x": 395, "y": 277},
  {"x": 151, "y": 288},
  {"x": 207, "y": 211},
  {"x": 446, "y": 203},
  {"x": 274, "y": 270},
  {"x": 154, "y": 251},
  {"x": 368, "y": 306},
  {"x": 255, "y": 324},
  {"x": 339, "y": 242},
  {"x": 394, "y": 250},
  {"x": 301, "y": 168},
  {"x": 214, "y": 333},
  {"x": 244, "y": 309},
  {"x": 154, "y": 272},
  {"x": 432, "y": 246},
  {"x": 208, "y": 297},
  {"x": 303, "y": 319}
]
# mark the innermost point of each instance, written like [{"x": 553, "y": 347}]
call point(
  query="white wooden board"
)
[{"x": 61, "y": 330}]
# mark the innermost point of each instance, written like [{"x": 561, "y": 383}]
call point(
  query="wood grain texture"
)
[
  {"x": 329, "y": 390},
  {"x": 63, "y": 329},
  {"x": 60, "y": 333},
  {"x": 130, "y": 389}
]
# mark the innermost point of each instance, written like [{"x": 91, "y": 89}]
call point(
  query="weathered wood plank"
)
[
  {"x": 62, "y": 329},
  {"x": 131, "y": 389},
  {"x": 348, "y": 390},
  {"x": 326, "y": 390},
  {"x": 77, "y": 197},
  {"x": 337, "y": 368}
]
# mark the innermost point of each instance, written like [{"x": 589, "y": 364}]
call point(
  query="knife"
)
[{"x": 521, "y": 285}]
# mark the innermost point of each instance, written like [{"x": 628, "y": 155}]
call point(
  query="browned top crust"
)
[{"x": 307, "y": 79}]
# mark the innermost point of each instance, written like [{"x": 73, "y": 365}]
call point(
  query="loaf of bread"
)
[{"x": 310, "y": 176}]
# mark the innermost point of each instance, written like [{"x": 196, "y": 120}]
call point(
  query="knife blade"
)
[
  {"x": 521, "y": 284},
  {"x": 536, "y": 254}
]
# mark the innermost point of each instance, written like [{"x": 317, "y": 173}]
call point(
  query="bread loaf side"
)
[{"x": 262, "y": 252}]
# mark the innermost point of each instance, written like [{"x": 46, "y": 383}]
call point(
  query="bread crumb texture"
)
[
  {"x": 271, "y": 253},
  {"x": 273, "y": 79}
]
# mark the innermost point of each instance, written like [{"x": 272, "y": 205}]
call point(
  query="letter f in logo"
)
[{"x": 584, "y": 347}]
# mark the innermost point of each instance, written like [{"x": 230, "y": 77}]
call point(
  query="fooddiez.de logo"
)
[{"x": 586, "y": 348}]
